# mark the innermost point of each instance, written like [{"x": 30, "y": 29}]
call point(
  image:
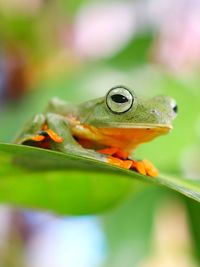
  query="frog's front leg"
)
[
  {"x": 121, "y": 158},
  {"x": 61, "y": 126},
  {"x": 53, "y": 131}
]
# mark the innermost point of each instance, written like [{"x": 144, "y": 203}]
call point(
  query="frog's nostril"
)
[{"x": 175, "y": 109}]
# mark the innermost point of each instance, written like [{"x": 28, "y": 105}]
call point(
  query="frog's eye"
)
[
  {"x": 119, "y": 99},
  {"x": 175, "y": 109},
  {"x": 174, "y": 106}
]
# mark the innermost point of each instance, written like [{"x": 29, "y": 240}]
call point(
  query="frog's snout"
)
[{"x": 166, "y": 103}]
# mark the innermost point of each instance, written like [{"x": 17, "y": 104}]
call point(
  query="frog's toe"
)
[
  {"x": 150, "y": 168},
  {"x": 119, "y": 162},
  {"x": 52, "y": 135},
  {"x": 31, "y": 138},
  {"x": 37, "y": 138},
  {"x": 139, "y": 167},
  {"x": 145, "y": 167}
]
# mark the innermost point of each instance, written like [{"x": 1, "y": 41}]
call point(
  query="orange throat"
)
[{"x": 126, "y": 139}]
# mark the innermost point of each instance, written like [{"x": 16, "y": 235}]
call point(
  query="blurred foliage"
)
[
  {"x": 193, "y": 211},
  {"x": 72, "y": 6},
  {"x": 129, "y": 228},
  {"x": 136, "y": 53}
]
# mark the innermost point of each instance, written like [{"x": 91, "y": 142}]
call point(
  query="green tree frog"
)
[{"x": 107, "y": 128}]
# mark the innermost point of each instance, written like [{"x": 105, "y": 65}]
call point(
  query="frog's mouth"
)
[
  {"x": 147, "y": 126},
  {"x": 124, "y": 136}
]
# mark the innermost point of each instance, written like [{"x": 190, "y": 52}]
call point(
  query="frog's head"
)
[
  {"x": 122, "y": 108},
  {"x": 124, "y": 115}
]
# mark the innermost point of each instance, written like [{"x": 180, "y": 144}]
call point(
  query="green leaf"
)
[
  {"x": 193, "y": 211},
  {"x": 71, "y": 184},
  {"x": 65, "y": 184}
]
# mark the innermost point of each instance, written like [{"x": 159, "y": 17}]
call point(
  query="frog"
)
[{"x": 107, "y": 129}]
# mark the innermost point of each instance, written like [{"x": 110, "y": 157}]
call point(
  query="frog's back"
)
[{"x": 61, "y": 107}]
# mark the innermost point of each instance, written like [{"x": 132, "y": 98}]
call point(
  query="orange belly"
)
[{"x": 126, "y": 139}]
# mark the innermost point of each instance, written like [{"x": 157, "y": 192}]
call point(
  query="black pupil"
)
[
  {"x": 119, "y": 98},
  {"x": 175, "y": 109}
]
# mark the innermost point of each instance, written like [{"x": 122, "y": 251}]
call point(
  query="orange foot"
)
[
  {"x": 120, "y": 158},
  {"x": 47, "y": 133},
  {"x": 145, "y": 167}
]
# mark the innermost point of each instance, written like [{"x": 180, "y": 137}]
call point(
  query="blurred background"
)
[{"x": 77, "y": 50}]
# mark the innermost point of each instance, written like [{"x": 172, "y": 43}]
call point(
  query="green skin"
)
[{"x": 154, "y": 112}]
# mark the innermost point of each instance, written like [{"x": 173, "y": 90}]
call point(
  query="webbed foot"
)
[
  {"x": 51, "y": 134},
  {"x": 120, "y": 158},
  {"x": 43, "y": 137},
  {"x": 145, "y": 167}
]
